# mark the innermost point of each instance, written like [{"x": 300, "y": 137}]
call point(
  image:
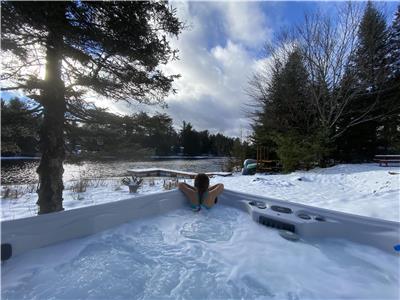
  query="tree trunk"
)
[{"x": 51, "y": 169}]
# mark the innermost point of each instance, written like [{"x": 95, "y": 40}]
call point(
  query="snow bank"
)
[{"x": 363, "y": 189}]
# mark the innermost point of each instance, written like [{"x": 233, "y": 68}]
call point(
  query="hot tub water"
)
[{"x": 220, "y": 253}]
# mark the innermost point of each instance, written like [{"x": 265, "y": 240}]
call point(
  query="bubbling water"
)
[{"x": 220, "y": 253}]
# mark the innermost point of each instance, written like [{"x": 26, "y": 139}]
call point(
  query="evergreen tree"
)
[
  {"x": 389, "y": 131},
  {"x": 340, "y": 98},
  {"x": 221, "y": 145},
  {"x": 19, "y": 128},
  {"x": 360, "y": 142},
  {"x": 110, "y": 48},
  {"x": 189, "y": 138},
  {"x": 370, "y": 57},
  {"x": 205, "y": 143},
  {"x": 292, "y": 106},
  {"x": 393, "y": 56},
  {"x": 161, "y": 135},
  {"x": 288, "y": 120}
]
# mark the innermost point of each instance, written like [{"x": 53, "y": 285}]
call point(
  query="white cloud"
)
[
  {"x": 245, "y": 23},
  {"x": 215, "y": 64}
]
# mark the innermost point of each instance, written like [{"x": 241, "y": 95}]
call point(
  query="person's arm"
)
[
  {"x": 213, "y": 193},
  {"x": 213, "y": 186},
  {"x": 190, "y": 192},
  {"x": 184, "y": 185},
  {"x": 215, "y": 190}
]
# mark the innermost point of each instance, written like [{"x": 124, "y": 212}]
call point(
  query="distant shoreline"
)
[{"x": 20, "y": 157}]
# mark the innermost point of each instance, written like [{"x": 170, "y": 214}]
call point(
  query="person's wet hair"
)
[{"x": 201, "y": 182}]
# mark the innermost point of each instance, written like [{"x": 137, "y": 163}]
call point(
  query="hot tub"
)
[{"x": 155, "y": 247}]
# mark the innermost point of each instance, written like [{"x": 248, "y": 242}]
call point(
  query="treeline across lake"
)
[
  {"x": 331, "y": 89},
  {"x": 107, "y": 134}
]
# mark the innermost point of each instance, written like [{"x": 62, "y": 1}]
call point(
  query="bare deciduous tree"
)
[{"x": 328, "y": 45}]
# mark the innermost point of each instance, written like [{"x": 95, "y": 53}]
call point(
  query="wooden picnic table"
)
[{"x": 387, "y": 159}]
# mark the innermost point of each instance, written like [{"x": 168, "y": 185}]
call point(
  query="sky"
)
[{"x": 219, "y": 50}]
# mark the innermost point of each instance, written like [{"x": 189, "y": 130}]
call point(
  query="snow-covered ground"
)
[{"x": 364, "y": 189}]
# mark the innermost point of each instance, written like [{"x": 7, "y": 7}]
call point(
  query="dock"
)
[{"x": 158, "y": 172}]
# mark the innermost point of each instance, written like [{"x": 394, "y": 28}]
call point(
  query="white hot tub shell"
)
[{"x": 307, "y": 222}]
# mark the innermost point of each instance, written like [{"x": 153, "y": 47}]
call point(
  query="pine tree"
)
[
  {"x": 293, "y": 105},
  {"x": 288, "y": 119},
  {"x": 369, "y": 74},
  {"x": 393, "y": 56},
  {"x": 112, "y": 49},
  {"x": 19, "y": 126},
  {"x": 389, "y": 131},
  {"x": 370, "y": 57},
  {"x": 287, "y": 104},
  {"x": 189, "y": 139}
]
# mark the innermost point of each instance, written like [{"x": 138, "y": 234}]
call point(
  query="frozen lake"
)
[{"x": 219, "y": 253}]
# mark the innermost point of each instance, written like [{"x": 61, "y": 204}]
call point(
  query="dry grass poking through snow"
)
[{"x": 16, "y": 191}]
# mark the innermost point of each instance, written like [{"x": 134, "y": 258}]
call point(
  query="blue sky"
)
[{"x": 219, "y": 51}]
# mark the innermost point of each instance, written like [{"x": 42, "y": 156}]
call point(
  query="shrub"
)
[
  {"x": 80, "y": 185},
  {"x": 301, "y": 152}
]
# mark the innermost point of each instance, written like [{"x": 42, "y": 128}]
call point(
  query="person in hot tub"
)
[{"x": 202, "y": 194}]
